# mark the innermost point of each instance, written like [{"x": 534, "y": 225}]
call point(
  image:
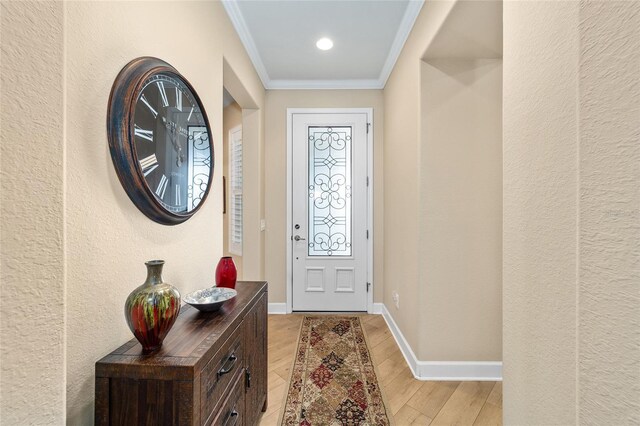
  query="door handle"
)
[{"x": 298, "y": 238}]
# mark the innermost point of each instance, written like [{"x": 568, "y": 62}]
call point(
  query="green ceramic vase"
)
[{"x": 152, "y": 309}]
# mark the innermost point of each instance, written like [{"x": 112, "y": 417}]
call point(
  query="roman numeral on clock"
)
[
  {"x": 178, "y": 99},
  {"x": 148, "y": 164},
  {"x": 163, "y": 94},
  {"x": 144, "y": 134},
  {"x": 178, "y": 198},
  {"x": 162, "y": 186},
  {"x": 146, "y": 102}
]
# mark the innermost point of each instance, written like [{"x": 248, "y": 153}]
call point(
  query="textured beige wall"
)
[
  {"x": 402, "y": 153},
  {"x": 73, "y": 244},
  {"x": 461, "y": 210},
  {"x": 571, "y": 213},
  {"x": 32, "y": 199},
  {"x": 232, "y": 117},
  {"x": 277, "y": 102},
  {"x": 609, "y": 224},
  {"x": 540, "y": 212},
  {"x": 108, "y": 239}
]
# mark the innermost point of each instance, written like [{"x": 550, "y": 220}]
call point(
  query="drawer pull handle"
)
[
  {"x": 233, "y": 415},
  {"x": 228, "y": 366}
]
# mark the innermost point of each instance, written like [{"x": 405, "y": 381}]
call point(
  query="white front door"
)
[{"x": 329, "y": 211}]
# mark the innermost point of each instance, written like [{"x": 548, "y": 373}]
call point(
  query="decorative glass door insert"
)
[{"x": 329, "y": 183}]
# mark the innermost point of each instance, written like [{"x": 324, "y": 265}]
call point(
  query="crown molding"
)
[
  {"x": 408, "y": 20},
  {"x": 235, "y": 15}
]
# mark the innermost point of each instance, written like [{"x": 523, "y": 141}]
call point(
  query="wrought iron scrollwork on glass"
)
[
  {"x": 329, "y": 184},
  {"x": 199, "y": 164}
]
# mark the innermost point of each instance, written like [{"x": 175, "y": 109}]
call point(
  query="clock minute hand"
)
[{"x": 176, "y": 146}]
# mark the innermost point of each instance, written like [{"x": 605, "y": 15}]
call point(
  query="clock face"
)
[{"x": 171, "y": 142}]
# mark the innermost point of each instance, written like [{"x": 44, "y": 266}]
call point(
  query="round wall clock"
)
[{"x": 160, "y": 143}]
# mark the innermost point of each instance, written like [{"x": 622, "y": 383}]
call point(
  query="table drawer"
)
[
  {"x": 217, "y": 376},
  {"x": 232, "y": 411}
]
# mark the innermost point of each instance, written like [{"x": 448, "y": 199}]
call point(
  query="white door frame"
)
[{"x": 289, "y": 235}]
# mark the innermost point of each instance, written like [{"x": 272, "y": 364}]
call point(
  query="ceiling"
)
[{"x": 280, "y": 37}]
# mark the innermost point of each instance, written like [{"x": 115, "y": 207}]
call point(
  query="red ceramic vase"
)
[{"x": 226, "y": 273}]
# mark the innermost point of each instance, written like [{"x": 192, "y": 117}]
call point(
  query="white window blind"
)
[{"x": 235, "y": 191}]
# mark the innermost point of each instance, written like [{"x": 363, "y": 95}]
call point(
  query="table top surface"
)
[{"x": 192, "y": 336}]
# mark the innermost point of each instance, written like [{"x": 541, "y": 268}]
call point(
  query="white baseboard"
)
[
  {"x": 460, "y": 370},
  {"x": 440, "y": 370},
  {"x": 277, "y": 308},
  {"x": 378, "y": 309}
]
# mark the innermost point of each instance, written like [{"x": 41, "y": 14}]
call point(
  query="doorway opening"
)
[{"x": 242, "y": 170}]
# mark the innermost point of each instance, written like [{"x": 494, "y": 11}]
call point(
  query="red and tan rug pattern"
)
[{"x": 333, "y": 381}]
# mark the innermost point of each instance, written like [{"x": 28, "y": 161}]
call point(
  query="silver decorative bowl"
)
[{"x": 210, "y": 299}]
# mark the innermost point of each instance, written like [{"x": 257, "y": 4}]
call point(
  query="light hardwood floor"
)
[{"x": 408, "y": 401}]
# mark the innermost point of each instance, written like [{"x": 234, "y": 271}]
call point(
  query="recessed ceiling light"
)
[{"x": 324, "y": 44}]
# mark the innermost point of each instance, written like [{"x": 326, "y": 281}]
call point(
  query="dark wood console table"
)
[{"x": 210, "y": 370}]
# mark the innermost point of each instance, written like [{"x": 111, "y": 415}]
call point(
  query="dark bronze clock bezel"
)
[{"x": 120, "y": 133}]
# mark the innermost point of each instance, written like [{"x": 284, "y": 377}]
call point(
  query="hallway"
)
[{"x": 502, "y": 190}]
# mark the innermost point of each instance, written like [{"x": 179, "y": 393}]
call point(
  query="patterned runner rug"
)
[{"x": 333, "y": 381}]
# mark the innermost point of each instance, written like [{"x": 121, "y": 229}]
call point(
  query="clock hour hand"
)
[{"x": 180, "y": 159}]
